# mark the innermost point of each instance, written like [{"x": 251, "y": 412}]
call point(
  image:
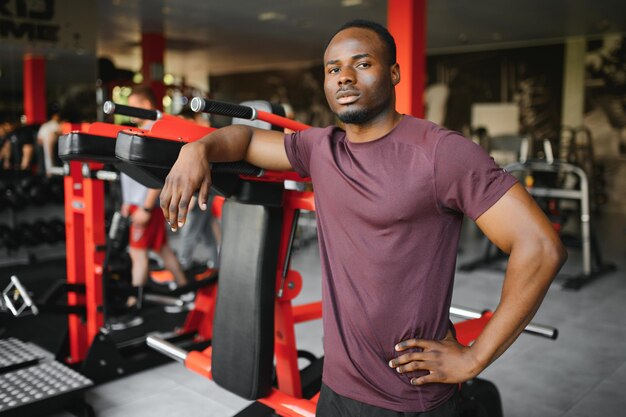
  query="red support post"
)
[
  {"x": 152, "y": 54},
  {"x": 75, "y": 255},
  {"x": 35, "y": 89},
  {"x": 85, "y": 240},
  {"x": 287, "y": 372},
  {"x": 406, "y": 20},
  {"x": 95, "y": 241}
]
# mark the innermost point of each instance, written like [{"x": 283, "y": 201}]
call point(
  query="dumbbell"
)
[
  {"x": 12, "y": 197},
  {"x": 5, "y": 233},
  {"x": 45, "y": 232},
  {"x": 58, "y": 229},
  {"x": 54, "y": 188},
  {"x": 11, "y": 239},
  {"x": 28, "y": 235},
  {"x": 39, "y": 192}
]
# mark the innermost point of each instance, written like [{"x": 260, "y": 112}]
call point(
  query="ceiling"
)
[
  {"x": 218, "y": 36},
  {"x": 213, "y": 37}
]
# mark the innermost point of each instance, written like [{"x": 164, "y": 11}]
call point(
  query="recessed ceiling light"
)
[
  {"x": 350, "y": 3},
  {"x": 265, "y": 16}
]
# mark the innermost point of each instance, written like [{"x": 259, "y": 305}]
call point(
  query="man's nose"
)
[{"x": 347, "y": 77}]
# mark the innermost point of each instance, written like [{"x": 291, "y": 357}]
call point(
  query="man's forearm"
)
[
  {"x": 227, "y": 144},
  {"x": 530, "y": 271}
]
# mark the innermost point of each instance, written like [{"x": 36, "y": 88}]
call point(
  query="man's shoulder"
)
[
  {"x": 422, "y": 133},
  {"x": 322, "y": 133}
]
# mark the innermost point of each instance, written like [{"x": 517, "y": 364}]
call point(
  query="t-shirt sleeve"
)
[
  {"x": 299, "y": 147},
  {"x": 467, "y": 179}
]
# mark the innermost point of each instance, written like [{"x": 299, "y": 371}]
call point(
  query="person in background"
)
[
  {"x": 148, "y": 230},
  {"x": 5, "y": 144},
  {"x": 48, "y": 136}
]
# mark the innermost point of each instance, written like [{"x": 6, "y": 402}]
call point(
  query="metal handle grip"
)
[
  {"x": 199, "y": 104},
  {"x": 532, "y": 328},
  {"x": 167, "y": 348},
  {"x": 114, "y": 108}
]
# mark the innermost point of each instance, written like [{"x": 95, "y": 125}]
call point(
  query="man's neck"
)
[{"x": 374, "y": 129}]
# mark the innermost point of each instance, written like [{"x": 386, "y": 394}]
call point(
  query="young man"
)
[
  {"x": 391, "y": 191},
  {"x": 147, "y": 230}
]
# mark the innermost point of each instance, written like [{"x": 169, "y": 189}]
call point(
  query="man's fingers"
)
[
  {"x": 415, "y": 366},
  {"x": 203, "y": 195},
  {"x": 413, "y": 343},
  {"x": 173, "y": 209},
  {"x": 411, "y": 357},
  {"x": 173, "y": 219},
  {"x": 164, "y": 200},
  {"x": 183, "y": 207},
  {"x": 426, "y": 379}
]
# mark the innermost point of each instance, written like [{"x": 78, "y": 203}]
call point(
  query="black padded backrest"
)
[
  {"x": 78, "y": 146},
  {"x": 243, "y": 332}
]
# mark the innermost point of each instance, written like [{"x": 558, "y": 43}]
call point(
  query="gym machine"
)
[
  {"x": 593, "y": 265},
  {"x": 105, "y": 353},
  {"x": 32, "y": 382},
  {"x": 255, "y": 318},
  {"x": 92, "y": 346},
  {"x": 554, "y": 181}
]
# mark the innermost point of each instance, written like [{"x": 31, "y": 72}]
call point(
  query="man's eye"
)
[
  {"x": 363, "y": 65},
  {"x": 333, "y": 70}
]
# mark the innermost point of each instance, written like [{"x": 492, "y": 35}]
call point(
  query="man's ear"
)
[{"x": 395, "y": 73}]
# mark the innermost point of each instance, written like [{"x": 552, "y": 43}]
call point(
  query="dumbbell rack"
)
[
  {"x": 20, "y": 253},
  {"x": 33, "y": 384}
]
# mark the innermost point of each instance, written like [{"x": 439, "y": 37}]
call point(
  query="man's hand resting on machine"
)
[{"x": 190, "y": 173}]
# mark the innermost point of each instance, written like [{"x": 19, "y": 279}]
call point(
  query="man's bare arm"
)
[
  {"x": 517, "y": 226},
  {"x": 191, "y": 172},
  {"x": 520, "y": 228}
]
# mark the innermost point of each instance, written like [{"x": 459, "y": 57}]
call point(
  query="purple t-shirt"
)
[{"x": 389, "y": 216}]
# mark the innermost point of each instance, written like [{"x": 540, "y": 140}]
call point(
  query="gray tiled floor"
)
[{"x": 581, "y": 374}]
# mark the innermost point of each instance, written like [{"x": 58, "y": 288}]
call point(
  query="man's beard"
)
[
  {"x": 355, "y": 117},
  {"x": 362, "y": 116}
]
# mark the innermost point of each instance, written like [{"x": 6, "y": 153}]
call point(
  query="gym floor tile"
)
[
  {"x": 557, "y": 374},
  {"x": 516, "y": 406},
  {"x": 606, "y": 399},
  {"x": 200, "y": 385},
  {"x": 127, "y": 390},
  {"x": 177, "y": 401}
]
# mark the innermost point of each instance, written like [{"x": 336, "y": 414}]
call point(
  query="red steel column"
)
[
  {"x": 152, "y": 53},
  {"x": 35, "y": 88},
  {"x": 406, "y": 20}
]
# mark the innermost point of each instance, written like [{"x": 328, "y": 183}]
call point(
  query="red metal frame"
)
[
  {"x": 281, "y": 121},
  {"x": 85, "y": 240}
]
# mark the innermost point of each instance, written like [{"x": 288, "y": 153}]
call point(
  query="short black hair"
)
[
  {"x": 187, "y": 113},
  {"x": 380, "y": 30},
  {"x": 145, "y": 92}
]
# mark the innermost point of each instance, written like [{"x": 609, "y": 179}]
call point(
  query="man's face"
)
[
  {"x": 135, "y": 100},
  {"x": 359, "y": 82}
]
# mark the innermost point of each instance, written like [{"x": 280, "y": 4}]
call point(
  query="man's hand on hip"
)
[{"x": 446, "y": 361}]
